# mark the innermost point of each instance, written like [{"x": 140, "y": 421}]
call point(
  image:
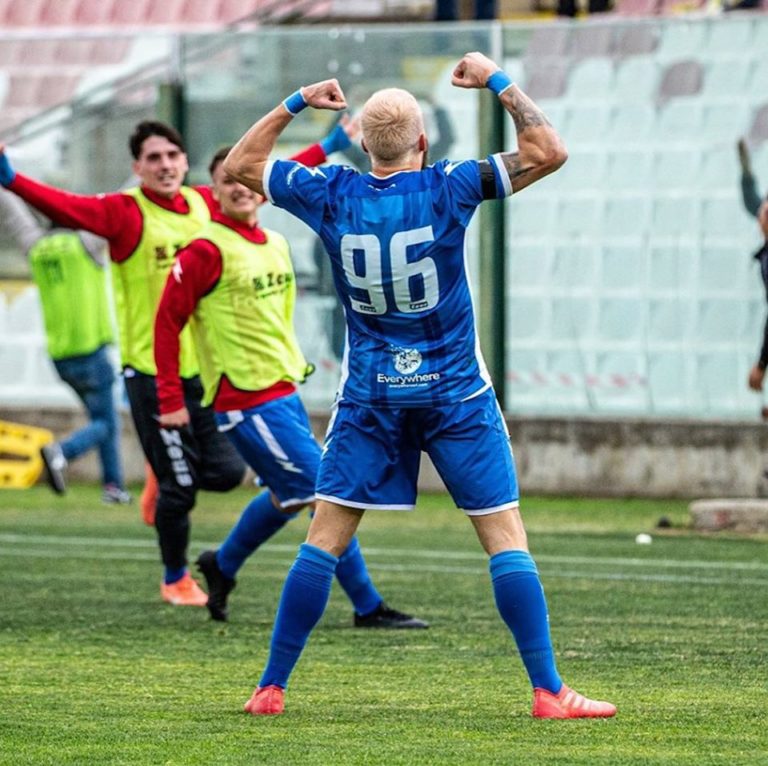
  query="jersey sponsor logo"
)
[
  {"x": 406, "y": 360},
  {"x": 408, "y": 381}
]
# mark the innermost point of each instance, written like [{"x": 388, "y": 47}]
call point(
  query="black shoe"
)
[
  {"x": 55, "y": 463},
  {"x": 219, "y": 585},
  {"x": 385, "y": 617}
]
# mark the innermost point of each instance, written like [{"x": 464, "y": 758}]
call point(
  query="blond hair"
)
[{"x": 391, "y": 121}]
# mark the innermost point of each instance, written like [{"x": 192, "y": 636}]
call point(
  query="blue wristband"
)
[
  {"x": 336, "y": 141},
  {"x": 7, "y": 173},
  {"x": 295, "y": 103},
  {"x": 499, "y": 81}
]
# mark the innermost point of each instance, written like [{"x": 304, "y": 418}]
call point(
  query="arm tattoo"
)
[
  {"x": 525, "y": 113},
  {"x": 513, "y": 166}
]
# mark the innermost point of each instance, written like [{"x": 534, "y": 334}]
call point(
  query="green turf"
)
[{"x": 94, "y": 669}]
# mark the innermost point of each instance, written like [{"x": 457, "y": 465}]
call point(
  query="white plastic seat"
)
[
  {"x": 626, "y": 215},
  {"x": 628, "y": 170},
  {"x": 574, "y": 266},
  {"x": 724, "y": 268},
  {"x": 623, "y": 268},
  {"x": 529, "y": 265},
  {"x": 527, "y": 318},
  {"x": 675, "y": 216},
  {"x": 636, "y": 80},
  {"x": 721, "y": 319},
  {"x": 530, "y": 216},
  {"x": 719, "y": 215},
  {"x": 668, "y": 318},
  {"x": 591, "y": 78},
  {"x": 680, "y": 119},
  {"x": 579, "y": 215},
  {"x": 621, "y": 319},
  {"x": 727, "y": 76},
  {"x": 676, "y": 169},
  {"x": 681, "y": 38},
  {"x": 729, "y": 35},
  {"x": 669, "y": 267},
  {"x": 586, "y": 123},
  {"x": 631, "y": 123}
]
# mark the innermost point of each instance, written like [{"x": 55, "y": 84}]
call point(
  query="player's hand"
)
[
  {"x": 473, "y": 71},
  {"x": 756, "y": 376},
  {"x": 176, "y": 419},
  {"x": 744, "y": 158},
  {"x": 325, "y": 95},
  {"x": 762, "y": 218},
  {"x": 351, "y": 126},
  {"x": 7, "y": 173}
]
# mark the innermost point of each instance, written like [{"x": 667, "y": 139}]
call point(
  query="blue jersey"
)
[{"x": 398, "y": 253}]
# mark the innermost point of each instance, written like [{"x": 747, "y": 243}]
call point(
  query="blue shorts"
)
[
  {"x": 371, "y": 455},
  {"x": 276, "y": 440}
]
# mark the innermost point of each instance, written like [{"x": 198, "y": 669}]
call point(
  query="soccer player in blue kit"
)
[{"x": 413, "y": 377}]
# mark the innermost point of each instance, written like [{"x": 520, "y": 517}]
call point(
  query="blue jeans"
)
[{"x": 92, "y": 378}]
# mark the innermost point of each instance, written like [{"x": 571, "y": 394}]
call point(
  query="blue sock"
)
[
  {"x": 173, "y": 575},
  {"x": 257, "y": 523},
  {"x": 521, "y": 603},
  {"x": 302, "y": 604},
  {"x": 353, "y": 576}
]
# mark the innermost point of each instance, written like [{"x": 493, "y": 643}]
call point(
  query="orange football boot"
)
[
  {"x": 267, "y": 700},
  {"x": 569, "y": 704},
  {"x": 148, "y": 499},
  {"x": 184, "y": 592}
]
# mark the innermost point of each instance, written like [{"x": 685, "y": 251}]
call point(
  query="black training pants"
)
[{"x": 183, "y": 459}]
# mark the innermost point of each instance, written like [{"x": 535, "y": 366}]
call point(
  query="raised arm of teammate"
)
[
  {"x": 540, "y": 149},
  {"x": 249, "y": 156}
]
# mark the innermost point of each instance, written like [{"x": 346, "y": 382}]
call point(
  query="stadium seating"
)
[{"x": 648, "y": 254}]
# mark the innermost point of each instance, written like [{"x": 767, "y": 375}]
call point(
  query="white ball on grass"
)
[{"x": 643, "y": 539}]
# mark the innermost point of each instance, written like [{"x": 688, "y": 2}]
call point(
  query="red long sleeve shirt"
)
[{"x": 117, "y": 216}]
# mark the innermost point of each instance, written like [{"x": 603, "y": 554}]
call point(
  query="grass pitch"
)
[{"x": 94, "y": 669}]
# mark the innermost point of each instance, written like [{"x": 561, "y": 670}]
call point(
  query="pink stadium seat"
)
[
  {"x": 592, "y": 40},
  {"x": 59, "y": 13},
  {"x": 39, "y": 53},
  {"x": 547, "y": 41},
  {"x": 130, "y": 14},
  {"x": 683, "y": 78},
  {"x": 22, "y": 91},
  {"x": 547, "y": 80},
  {"x": 638, "y": 7},
  {"x": 55, "y": 89},
  {"x": 109, "y": 51},
  {"x": 231, "y": 11},
  {"x": 637, "y": 40},
  {"x": 74, "y": 52},
  {"x": 758, "y": 131},
  {"x": 164, "y": 12},
  {"x": 200, "y": 12},
  {"x": 11, "y": 52},
  {"x": 97, "y": 12},
  {"x": 24, "y": 13}
]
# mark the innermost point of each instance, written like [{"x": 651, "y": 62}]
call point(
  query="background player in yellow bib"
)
[{"x": 234, "y": 285}]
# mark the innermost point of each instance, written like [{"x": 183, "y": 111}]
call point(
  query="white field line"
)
[
  {"x": 89, "y": 548},
  {"x": 412, "y": 553}
]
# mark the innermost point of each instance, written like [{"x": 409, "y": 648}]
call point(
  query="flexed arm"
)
[
  {"x": 540, "y": 151},
  {"x": 248, "y": 158}
]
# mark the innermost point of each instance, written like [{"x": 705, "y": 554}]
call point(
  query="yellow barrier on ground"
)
[{"x": 20, "y": 461}]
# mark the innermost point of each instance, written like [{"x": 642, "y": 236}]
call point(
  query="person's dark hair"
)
[
  {"x": 148, "y": 128},
  {"x": 218, "y": 158}
]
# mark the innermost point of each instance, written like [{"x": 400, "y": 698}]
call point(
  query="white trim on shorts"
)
[
  {"x": 496, "y": 509},
  {"x": 364, "y": 506},
  {"x": 295, "y": 501}
]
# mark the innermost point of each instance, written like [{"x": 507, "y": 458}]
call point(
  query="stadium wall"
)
[{"x": 574, "y": 455}]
